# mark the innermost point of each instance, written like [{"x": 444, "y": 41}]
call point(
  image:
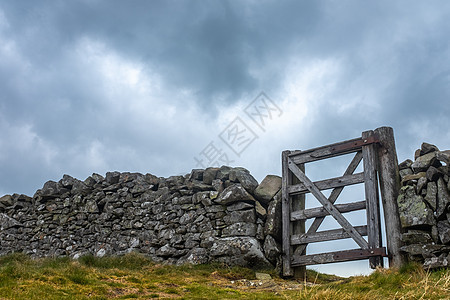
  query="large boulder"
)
[
  {"x": 268, "y": 188},
  {"x": 423, "y": 162},
  {"x": 244, "y": 177},
  {"x": 241, "y": 251}
]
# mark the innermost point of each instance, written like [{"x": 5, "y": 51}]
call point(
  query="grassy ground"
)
[{"x": 134, "y": 276}]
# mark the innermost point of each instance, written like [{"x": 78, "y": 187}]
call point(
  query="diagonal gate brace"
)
[{"x": 329, "y": 207}]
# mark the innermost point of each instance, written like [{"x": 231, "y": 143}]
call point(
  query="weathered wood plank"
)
[
  {"x": 337, "y": 256},
  {"x": 335, "y": 194},
  {"x": 329, "y": 183},
  {"x": 298, "y": 227},
  {"x": 321, "y": 212},
  {"x": 285, "y": 213},
  {"x": 328, "y": 151},
  {"x": 328, "y": 235},
  {"x": 389, "y": 187},
  {"x": 373, "y": 208},
  {"x": 328, "y": 205}
]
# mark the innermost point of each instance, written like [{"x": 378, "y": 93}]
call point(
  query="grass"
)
[{"x": 134, "y": 276}]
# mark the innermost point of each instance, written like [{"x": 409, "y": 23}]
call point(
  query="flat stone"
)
[
  {"x": 246, "y": 216},
  {"x": 423, "y": 162},
  {"x": 268, "y": 188},
  {"x": 232, "y": 194},
  {"x": 240, "y": 206},
  {"x": 426, "y": 250},
  {"x": 262, "y": 276},
  {"x": 240, "y": 229},
  {"x": 413, "y": 178},
  {"x": 416, "y": 237},
  {"x": 7, "y": 222}
]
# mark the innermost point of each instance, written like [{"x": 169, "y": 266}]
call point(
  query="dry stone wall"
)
[
  {"x": 212, "y": 215},
  {"x": 423, "y": 202}
]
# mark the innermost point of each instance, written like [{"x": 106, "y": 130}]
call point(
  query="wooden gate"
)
[{"x": 377, "y": 151}]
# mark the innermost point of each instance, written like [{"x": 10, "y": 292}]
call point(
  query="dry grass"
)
[{"x": 135, "y": 277}]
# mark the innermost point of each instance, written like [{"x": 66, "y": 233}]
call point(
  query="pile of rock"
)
[
  {"x": 211, "y": 215},
  {"x": 424, "y": 206}
]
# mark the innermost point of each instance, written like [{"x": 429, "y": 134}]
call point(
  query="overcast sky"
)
[{"x": 159, "y": 86}]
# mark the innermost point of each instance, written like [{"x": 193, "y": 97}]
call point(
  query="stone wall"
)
[
  {"x": 424, "y": 206},
  {"x": 213, "y": 215}
]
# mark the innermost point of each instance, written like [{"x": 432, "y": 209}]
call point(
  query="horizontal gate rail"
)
[
  {"x": 328, "y": 183},
  {"x": 337, "y": 256},
  {"x": 300, "y": 157},
  {"x": 328, "y": 235},
  {"x": 321, "y": 212}
]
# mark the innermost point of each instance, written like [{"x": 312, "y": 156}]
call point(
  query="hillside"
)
[{"x": 134, "y": 276}]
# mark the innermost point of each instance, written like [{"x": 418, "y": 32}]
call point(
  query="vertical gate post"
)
[
  {"x": 285, "y": 216},
  {"x": 298, "y": 227},
  {"x": 389, "y": 186},
  {"x": 372, "y": 199}
]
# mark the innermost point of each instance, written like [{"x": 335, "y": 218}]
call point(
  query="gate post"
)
[{"x": 389, "y": 187}]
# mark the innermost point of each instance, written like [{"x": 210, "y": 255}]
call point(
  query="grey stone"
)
[
  {"x": 232, "y": 194},
  {"x": 437, "y": 262},
  {"x": 405, "y": 172},
  {"x": 247, "y": 181},
  {"x": 273, "y": 222},
  {"x": 196, "y": 174},
  {"x": 262, "y": 276},
  {"x": 443, "y": 156},
  {"x": 7, "y": 222},
  {"x": 246, "y": 216},
  {"x": 166, "y": 251},
  {"x": 444, "y": 231},
  {"x": 195, "y": 256},
  {"x": 239, "y": 206},
  {"x": 240, "y": 229},
  {"x": 423, "y": 162},
  {"x": 426, "y": 250},
  {"x": 112, "y": 177},
  {"x": 260, "y": 210},
  {"x": 427, "y": 148},
  {"x": 443, "y": 198},
  {"x": 413, "y": 210},
  {"x": 433, "y": 174},
  {"x": 405, "y": 164},
  {"x": 416, "y": 237},
  {"x": 421, "y": 183},
  {"x": 6, "y": 200},
  {"x": 223, "y": 173},
  {"x": 272, "y": 249},
  {"x": 431, "y": 195},
  {"x": 242, "y": 251},
  {"x": 209, "y": 175},
  {"x": 218, "y": 185},
  {"x": 267, "y": 189}
]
